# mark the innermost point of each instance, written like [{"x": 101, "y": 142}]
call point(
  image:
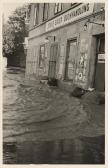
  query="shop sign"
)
[
  {"x": 101, "y": 58},
  {"x": 70, "y": 16}
]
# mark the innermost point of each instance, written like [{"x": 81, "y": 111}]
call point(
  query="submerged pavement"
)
[{"x": 38, "y": 119}]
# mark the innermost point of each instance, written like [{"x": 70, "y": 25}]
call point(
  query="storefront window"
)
[
  {"x": 42, "y": 56},
  {"x": 58, "y": 8},
  {"x": 36, "y": 13},
  {"x": 45, "y": 11}
]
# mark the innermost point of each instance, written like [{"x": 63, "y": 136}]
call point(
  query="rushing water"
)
[{"x": 44, "y": 125}]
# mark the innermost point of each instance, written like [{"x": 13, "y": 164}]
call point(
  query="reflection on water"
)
[
  {"x": 36, "y": 118},
  {"x": 75, "y": 151},
  {"x": 9, "y": 152}
]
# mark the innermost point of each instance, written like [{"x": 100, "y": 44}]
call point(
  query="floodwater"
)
[{"x": 42, "y": 125}]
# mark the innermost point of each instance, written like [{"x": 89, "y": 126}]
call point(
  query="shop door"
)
[
  {"x": 52, "y": 61},
  {"x": 100, "y": 65},
  {"x": 71, "y": 55}
]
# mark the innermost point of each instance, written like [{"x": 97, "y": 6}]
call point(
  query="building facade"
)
[{"x": 67, "y": 42}]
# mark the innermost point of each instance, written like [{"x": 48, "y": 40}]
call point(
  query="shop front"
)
[{"x": 72, "y": 54}]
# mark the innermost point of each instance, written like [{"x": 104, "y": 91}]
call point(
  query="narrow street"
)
[{"x": 43, "y": 124}]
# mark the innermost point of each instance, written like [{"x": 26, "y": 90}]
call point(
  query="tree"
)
[
  {"x": 14, "y": 32},
  {"x": 8, "y": 40}
]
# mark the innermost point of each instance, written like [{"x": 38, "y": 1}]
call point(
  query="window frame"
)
[
  {"x": 57, "y": 6},
  {"x": 36, "y": 14},
  {"x": 45, "y": 9}
]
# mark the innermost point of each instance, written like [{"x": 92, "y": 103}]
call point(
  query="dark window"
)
[
  {"x": 36, "y": 14},
  {"x": 42, "y": 56},
  {"x": 45, "y": 11},
  {"x": 102, "y": 45},
  {"x": 58, "y": 8}
]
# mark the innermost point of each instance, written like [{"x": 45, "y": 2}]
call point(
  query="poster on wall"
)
[{"x": 82, "y": 63}]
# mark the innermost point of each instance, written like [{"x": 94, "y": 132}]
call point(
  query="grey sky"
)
[{"x": 8, "y": 8}]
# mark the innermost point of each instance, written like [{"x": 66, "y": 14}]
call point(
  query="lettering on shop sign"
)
[{"x": 70, "y": 16}]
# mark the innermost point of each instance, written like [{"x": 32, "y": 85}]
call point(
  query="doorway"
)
[
  {"x": 71, "y": 56},
  {"x": 99, "y": 82},
  {"x": 52, "y": 61}
]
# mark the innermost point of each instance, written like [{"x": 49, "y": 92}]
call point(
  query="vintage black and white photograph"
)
[{"x": 53, "y": 83}]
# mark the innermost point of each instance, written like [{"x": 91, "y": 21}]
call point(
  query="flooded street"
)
[{"x": 44, "y": 125}]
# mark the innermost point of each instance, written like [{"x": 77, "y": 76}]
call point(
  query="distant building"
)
[{"x": 67, "y": 42}]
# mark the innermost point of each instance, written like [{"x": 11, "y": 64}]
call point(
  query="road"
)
[{"x": 43, "y": 124}]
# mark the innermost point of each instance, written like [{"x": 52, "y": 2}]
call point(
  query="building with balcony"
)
[{"x": 67, "y": 42}]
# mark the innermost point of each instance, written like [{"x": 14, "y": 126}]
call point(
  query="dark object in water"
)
[
  {"x": 101, "y": 99},
  {"x": 78, "y": 92},
  {"x": 94, "y": 97},
  {"x": 52, "y": 82}
]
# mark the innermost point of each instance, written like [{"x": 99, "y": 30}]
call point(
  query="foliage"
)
[{"x": 14, "y": 32}]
